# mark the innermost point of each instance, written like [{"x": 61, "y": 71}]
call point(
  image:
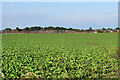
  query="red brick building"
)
[
  {"x": 69, "y": 31},
  {"x": 24, "y": 31},
  {"x": 6, "y": 31},
  {"x": 14, "y": 31},
  {"x": 44, "y": 31}
]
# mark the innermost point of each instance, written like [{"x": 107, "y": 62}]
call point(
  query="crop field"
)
[{"x": 58, "y": 55}]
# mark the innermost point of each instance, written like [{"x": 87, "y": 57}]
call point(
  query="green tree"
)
[
  {"x": 8, "y": 29},
  {"x": 109, "y": 29},
  {"x": 99, "y": 31},
  {"x": 57, "y": 28},
  {"x": 82, "y": 30},
  {"x": 90, "y": 29},
  {"x": 70, "y": 28},
  {"x": 45, "y": 28},
  {"x": 77, "y": 30},
  {"x": 103, "y": 29},
  {"x": 36, "y": 28},
  {"x": 17, "y": 28},
  {"x": 50, "y": 28},
  {"x": 117, "y": 28},
  {"x": 26, "y": 28}
]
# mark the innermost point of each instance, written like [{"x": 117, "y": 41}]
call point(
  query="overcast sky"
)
[{"x": 81, "y": 15}]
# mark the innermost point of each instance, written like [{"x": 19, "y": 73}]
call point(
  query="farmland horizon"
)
[{"x": 58, "y": 26}]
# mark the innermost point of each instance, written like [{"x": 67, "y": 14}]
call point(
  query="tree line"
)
[{"x": 37, "y": 28}]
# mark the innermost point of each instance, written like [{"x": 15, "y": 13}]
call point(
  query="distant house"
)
[
  {"x": 6, "y": 31},
  {"x": 51, "y": 31},
  {"x": 92, "y": 32},
  {"x": 77, "y": 32},
  {"x": 34, "y": 32},
  {"x": 111, "y": 31},
  {"x": 83, "y": 32},
  {"x": 69, "y": 31},
  {"x": 114, "y": 30},
  {"x": 60, "y": 31},
  {"x": 44, "y": 31},
  {"x": 95, "y": 32},
  {"x": 0, "y": 31},
  {"x": 23, "y": 31},
  {"x": 118, "y": 30},
  {"x": 14, "y": 31},
  {"x": 9, "y": 31}
]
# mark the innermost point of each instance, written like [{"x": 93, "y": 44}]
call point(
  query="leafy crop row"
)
[{"x": 59, "y": 56}]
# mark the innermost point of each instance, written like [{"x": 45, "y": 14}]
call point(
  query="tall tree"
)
[
  {"x": 18, "y": 29},
  {"x": 90, "y": 29}
]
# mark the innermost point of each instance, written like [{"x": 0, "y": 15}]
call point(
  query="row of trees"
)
[{"x": 37, "y": 28}]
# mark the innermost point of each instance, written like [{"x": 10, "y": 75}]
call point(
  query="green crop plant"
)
[{"x": 56, "y": 56}]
